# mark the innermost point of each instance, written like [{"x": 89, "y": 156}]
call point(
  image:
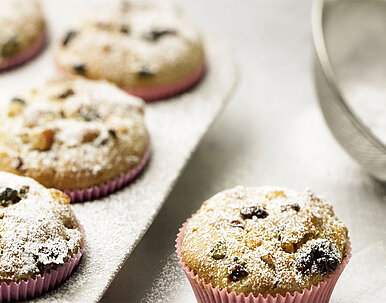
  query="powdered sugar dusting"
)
[
  {"x": 253, "y": 240},
  {"x": 170, "y": 274},
  {"x": 147, "y": 43},
  {"x": 73, "y": 127},
  {"x": 37, "y": 233},
  {"x": 115, "y": 224}
]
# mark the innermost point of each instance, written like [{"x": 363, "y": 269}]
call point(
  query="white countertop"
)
[{"x": 272, "y": 132}]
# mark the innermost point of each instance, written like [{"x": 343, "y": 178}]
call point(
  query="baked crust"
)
[
  {"x": 264, "y": 241},
  {"x": 72, "y": 133},
  {"x": 136, "y": 44}
]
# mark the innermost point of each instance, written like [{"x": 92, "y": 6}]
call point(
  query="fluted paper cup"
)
[
  {"x": 207, "y": 293},
  {"x": 32, "y": 288},
  {"x": 26, "y": 55},
  {"x": 169, "y": 90},
  {"x": 102, "y": 190}
]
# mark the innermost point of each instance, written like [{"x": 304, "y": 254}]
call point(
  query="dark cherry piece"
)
[
  {"x": 237, "y": 223},
  {"x": 80, "y": 69},
  {"x": 113, "y": 133},
  {"x": 145, "y": 72},
  {"x": 9, "y": 196},
  {"x": 237, "y": 273},
  {"x": 18, "y": 100},
  {"x": 318, "y": 258},
  {"x": 253, "y": 211},
  {"x": 68, "y": 37},
  {"x": 156, "y": 34},
  {"x": 67, "y": 93},
  {"x": 294, "y": 206},
  {"x": 125, "y": 29}
]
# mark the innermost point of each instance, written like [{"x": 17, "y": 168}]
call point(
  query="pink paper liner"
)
[
  {"x": 102, "y": 190},
  {"x": 32, "y": 288},
  {"x": 28, "y": 54},
  {"x": 206, "y": 293},
  {"x": 168, "y": 90}
]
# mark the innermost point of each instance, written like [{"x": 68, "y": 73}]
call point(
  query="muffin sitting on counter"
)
[{"x": 263, "y": 242}]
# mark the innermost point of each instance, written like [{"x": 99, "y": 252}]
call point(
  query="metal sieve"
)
[{"x": 347, "y": 127}]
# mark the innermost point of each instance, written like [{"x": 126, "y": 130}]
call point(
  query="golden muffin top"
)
[{"x": 264, "y": 240}]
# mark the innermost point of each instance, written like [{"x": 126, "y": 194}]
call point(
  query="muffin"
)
[
  {"x": 85, "y": 137},
  {"x": 146, "y": 48},
  {"x": 263, "y": 242},
  {"x": 22, "y": 32},
  {"x": 40, "y": 237}
]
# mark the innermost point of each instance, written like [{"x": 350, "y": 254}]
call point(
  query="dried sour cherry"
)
[
  {"x": 18, "y": 100},
  {"x": 237, "y": 272},
  {"x": 237, "y": 223},
  {"x": 124, "y": 29},
  {"x": 156, "y": 34},
  {"x": 253, "y": 211},
  {"x": 320, "y": 257},
  {"x": 113, "y": 133},
  {"x": 80, "y": 69},
  {"x": 294, "y": 206},
  {"x": 68, "y": 37},
  {"x": 67, "y": 93},
  {"x": 145, "y": 72},
  {"x": 9, "y": 196}
]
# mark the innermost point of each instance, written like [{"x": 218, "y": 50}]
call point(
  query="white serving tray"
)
[{"x": 114, "y": 225}]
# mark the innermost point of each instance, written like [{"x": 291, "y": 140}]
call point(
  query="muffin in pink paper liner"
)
[
  {"x": 236, "y": 248},
  {"x": 102, "y": 190},
  {"x": 26, "y": 55},
  {"x": 147, "y": 48},
  {"x": 85, "y": 137},
  {"x": 41, "y": 239},
  {"x": 41, "y": 284},
  {"x": 20, "y": 43}
]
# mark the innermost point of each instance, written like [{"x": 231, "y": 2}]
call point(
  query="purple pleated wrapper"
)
[
  {"x": 102, "y": 190},
  {"x": 32, "y": 288},
  {"x": 206, "y": 293}
]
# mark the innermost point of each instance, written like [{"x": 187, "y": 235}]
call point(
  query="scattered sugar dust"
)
[{"x": 171, "y": 275}]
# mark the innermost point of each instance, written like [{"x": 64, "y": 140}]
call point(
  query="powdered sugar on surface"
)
[{"x": 171, "y": 275}]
